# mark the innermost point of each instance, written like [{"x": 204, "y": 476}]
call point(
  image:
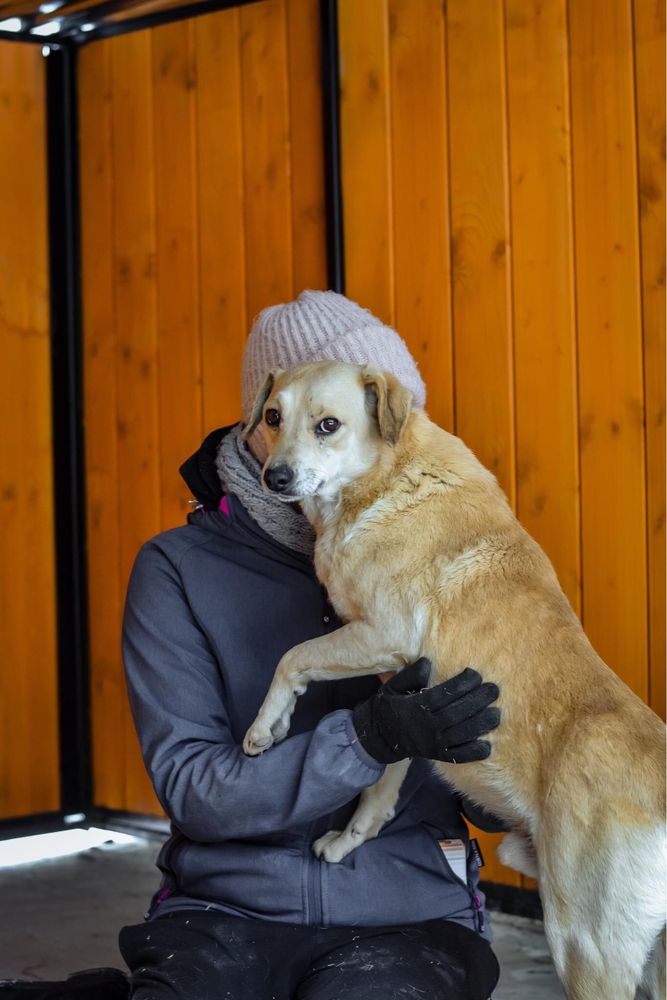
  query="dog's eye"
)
[
  {"x": 327, "y": 426},
  {"x": 272, "y": 418}
]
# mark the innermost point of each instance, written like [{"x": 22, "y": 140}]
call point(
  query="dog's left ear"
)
[
  {"x": 389, "y": 401},
  {"x": 260, "y": 400}
]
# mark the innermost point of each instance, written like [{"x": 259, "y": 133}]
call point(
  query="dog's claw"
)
[
  {"x": 256, "y": 741},
  {"x": 331, "y": 847},
  {"x": 267, "y": 729},
  {"x": 280, "y": 729}
]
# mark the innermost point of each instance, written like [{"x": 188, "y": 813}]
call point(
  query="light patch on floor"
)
[
  {"x": 65, "y": 914},
  {"x": 45, "y": 846}
]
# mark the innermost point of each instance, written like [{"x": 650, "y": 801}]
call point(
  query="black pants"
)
[{"x": 205, "y": 955}]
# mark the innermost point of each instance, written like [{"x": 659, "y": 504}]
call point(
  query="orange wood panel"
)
[
  {"x": 366, "y": 161},
  {"x": 136, "y": 374},
  {"x": 178, "y": 348},
  {"x": 29, "y": 775},
  {"x": 108, "y": 698},
  {"x": 268, "y": 220},
  {"x": 649, "y": 25},
  {"x": 420, "y": 195},
  {"x": 609, "y": 337},
  {"x": 306, "y": 145},
  {"x": 479, "y": 193},
  {"x": 220, "y": 218},
  {"x": 481, "y": 234},
  {"x": 543, "y": 284}
]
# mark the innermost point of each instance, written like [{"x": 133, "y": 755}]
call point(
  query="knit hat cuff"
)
[{"x": 324, "y": 326}]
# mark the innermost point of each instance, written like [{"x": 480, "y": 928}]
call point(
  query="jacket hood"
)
[{"x": 200, "y": 473}]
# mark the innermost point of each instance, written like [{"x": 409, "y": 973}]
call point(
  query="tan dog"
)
[{"x": 422, "y": 555}]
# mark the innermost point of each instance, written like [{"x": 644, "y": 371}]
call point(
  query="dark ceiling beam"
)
[
  {"x": 109, "y": 17},
  {"x": 87, "y": 8}
]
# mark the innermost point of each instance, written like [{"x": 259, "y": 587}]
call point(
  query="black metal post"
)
[
  {"x": 67, "y": 408},
  {"x": 333, "y": 181}
]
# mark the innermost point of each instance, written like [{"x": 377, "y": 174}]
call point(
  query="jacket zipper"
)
[
  {"x": 313, "y": 883},
  {"x": 478, "y": 910}
]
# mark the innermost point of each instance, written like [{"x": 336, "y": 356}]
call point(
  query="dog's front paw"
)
[
  {"x": 258, "y": 739},
  {"x": 332, "y": 847},
  {"x": 280, "y": 729}
]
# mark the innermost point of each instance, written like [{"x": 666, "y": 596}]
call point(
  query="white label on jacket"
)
[{"x": 455, "y": 852}]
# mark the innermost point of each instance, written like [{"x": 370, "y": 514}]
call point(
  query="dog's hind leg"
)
[
  {"x": 376, "y": 807},
  {"x": 586, "y": 968},
  {"x": 604, "y": 910}
]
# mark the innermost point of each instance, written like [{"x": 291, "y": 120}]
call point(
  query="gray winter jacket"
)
[{"x": 211, "y": 608}]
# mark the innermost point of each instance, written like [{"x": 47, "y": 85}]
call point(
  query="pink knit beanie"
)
[{"x": 323, "y": 326}]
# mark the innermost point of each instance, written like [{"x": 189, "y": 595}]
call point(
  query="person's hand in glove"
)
[{"x": 445, "y": 722}]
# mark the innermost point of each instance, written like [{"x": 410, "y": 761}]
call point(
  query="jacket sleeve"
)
[
  {"x": 205, "y": 783},
  {"x": 480, "y": 818}
]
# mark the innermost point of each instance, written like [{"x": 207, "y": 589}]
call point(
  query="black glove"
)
[{"x": 406, "y": 719}]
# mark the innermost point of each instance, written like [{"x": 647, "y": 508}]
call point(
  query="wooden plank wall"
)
[
  {"x": 503, "y": 185},
  {"x": 202, "y": 202},
  {"x": 29, "y": 767},
  {"x": 503, "y": 180}
]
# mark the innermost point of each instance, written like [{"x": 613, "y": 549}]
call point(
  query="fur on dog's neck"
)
[{"x": 425, "y": 459}]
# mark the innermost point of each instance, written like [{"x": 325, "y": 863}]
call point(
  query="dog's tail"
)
[{"x": 653, "y": 985}]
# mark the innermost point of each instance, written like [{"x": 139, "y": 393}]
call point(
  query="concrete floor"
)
[{"x": 63, "y": 915}]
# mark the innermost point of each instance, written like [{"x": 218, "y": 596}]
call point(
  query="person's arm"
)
[
  {"x": 205, "y": 783},
  {"x": 447, "y": 722}
]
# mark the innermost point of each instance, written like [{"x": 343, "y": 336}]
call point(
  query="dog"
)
[{"x": 422, "y": 555}]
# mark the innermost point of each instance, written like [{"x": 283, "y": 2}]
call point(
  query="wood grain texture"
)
[
  {"x": 366, "y": 162},
  {"x": 220, "y": 215},
  {"x": 135, "y": 287},
  {"x": 29, "y": 767},
  {"x": 611, "y": 391},
  {"x": 421, "y": 231},
  {"x": 266, "y": 164},
  {"x": 480, "y": 212},
  {"x": 306, "y": 145},
  {"x": 109, "y": 716},
  {"x": 177, "y": 259},
  {"x": 649, "y": 57},
  {"x": 545, "y": 349}
]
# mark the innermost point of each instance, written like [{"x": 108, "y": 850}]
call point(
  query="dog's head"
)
[{"x": 323, "y": 425}]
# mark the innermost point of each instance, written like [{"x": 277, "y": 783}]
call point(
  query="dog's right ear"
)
[
  {"x": 260, "y": 400},
  {"x": 389, "y": 401}
]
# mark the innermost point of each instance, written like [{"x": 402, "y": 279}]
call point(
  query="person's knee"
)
[{"x": 438, "y": 960}]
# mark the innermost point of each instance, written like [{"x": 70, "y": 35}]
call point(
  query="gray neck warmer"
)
[{"x": 239, "y": 473}]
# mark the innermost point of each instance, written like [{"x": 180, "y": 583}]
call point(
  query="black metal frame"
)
[
  {"x": 331, "y": 122},
  {"x": 66, "y": 356},
  {"x": 71, "y": 23},
  {"x": 67, "y": 417}
]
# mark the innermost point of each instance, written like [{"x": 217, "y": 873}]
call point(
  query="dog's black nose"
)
[{"x": 278, "y": 477}]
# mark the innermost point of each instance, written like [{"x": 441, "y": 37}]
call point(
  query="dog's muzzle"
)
[{"x": 278, "y": 478}]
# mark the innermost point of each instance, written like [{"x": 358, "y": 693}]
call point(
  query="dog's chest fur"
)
[{"x": 335, "y": 565}]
